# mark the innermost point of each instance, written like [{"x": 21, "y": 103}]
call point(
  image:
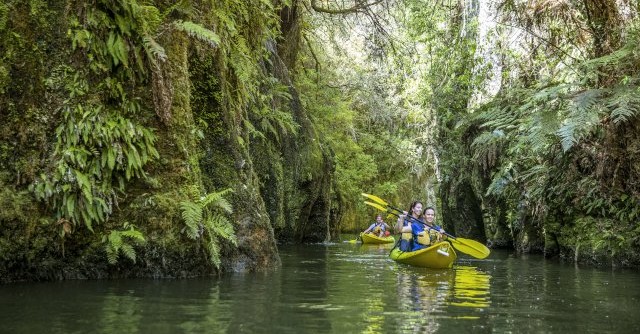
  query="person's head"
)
[
  {"x": 415, "y": 209},
  {"x": 429, "y": 214},
  {"x": 379, "y": 218}
]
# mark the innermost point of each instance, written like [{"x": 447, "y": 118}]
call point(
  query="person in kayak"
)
[
  {"x": 404, "y": 225},
  {"x": 379, "y": 227},
  {"x": 431, "y": 233},
  {"x": 421, "y": 230}
]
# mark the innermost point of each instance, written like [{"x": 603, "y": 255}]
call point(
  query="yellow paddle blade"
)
[
  {"x": 375, "y": 199},
  {"x": 470, "y": 247},
  {"x": 377, "y": 206}
]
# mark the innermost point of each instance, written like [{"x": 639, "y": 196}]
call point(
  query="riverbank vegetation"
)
[{"x": 179, "y": 139}]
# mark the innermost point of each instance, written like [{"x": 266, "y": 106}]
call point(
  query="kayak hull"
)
[
  {"x": 439, "y": 256},
  {"x": 368, "y": 238}
]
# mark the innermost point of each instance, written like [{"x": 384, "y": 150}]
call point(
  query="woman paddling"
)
[{"x": 404, "y": 225}]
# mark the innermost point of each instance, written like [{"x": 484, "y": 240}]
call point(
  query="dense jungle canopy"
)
[{"x": 186, "y": 138}]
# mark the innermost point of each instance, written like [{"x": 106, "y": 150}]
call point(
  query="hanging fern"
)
[
  {"x": 154, "y": 50},
  {"x": 199, "y": 32}
]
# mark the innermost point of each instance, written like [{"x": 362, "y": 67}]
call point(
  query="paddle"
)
[
  {"x": 467, "y": 246},
  {"x": 359, "y": 238}
]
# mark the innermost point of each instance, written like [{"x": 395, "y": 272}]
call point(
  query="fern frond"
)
[
  {"x": 583, "y": 115},
  {"x": 486, "y": 147},
  {"x": 624, "y": 103},
  {"x": 129, "y": 252},
  {"x": 566, "y": 134},
  {"x": 154, "y": 50},
  {"x": 214, "y": 252},
  {"x": 266, "y": 126},
  {"x": 134, "y": 235},
  {"x": 217, "y": 200},
  {"x": 112, "y": 255},
  {"x": 500, "y": 181},
  {"x": 118, "y": 241},
  {"x": 197, "y": 31},
  {"x": 221, "y": 227},
  {"x": 192, "y": 216},
  {"x": 115, "y": 240}
]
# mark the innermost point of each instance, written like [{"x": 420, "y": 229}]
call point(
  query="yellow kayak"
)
[
  {"x": 438, "y": 256},
  {"x": 369, "y": 238}
]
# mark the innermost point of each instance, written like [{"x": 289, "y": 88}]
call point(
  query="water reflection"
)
[
  {"x": 427, "y": 296},
  {"x": 470, "y": 290},
  {"x": 422, "y": 296}
]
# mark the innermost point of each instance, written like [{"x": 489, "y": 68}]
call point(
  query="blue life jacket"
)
[{"x": 416, "y": 228}]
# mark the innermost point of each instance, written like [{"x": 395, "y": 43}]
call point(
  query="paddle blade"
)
[
  {"x": 375, "y": 205},
  {"x": 470, "y": 247},
  {"x": 375, "y": 199}
]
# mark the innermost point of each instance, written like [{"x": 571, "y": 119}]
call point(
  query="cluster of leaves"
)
[
  {"x": 96, "y": 153},
  {"x": 98, "y": 147}
]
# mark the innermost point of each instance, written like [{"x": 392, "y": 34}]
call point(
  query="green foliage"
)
[
  {"x": 122, "y": 242},
  {"x": 97, "y": 151},
  {"x": 268, "y": 114},
  {"x": 205, "y": 218},
  {"x": 597, "y": 237},
  {"x": 4, "y": 13}
]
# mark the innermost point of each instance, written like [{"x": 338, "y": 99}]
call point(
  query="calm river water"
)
[{"x": 341, "y": 288}]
